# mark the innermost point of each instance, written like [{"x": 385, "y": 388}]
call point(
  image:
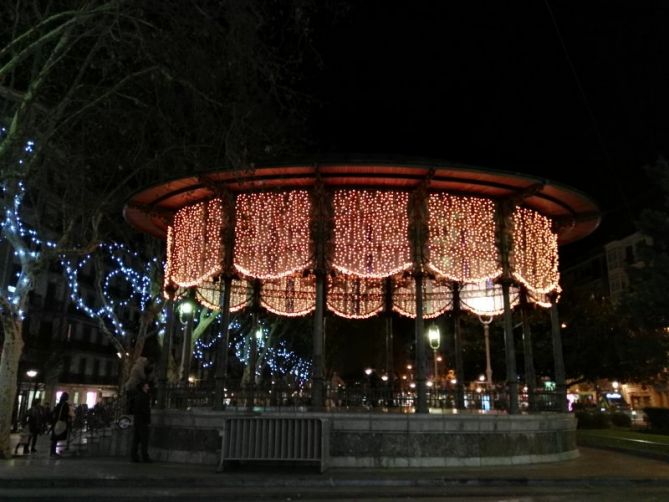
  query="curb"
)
[{"x": 321, "y": 483}]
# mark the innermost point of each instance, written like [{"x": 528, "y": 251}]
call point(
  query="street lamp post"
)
[
  {"x": 31, "y": 374},
  {"x": 186, "y": 311},
  {"x": 486, "y": 320},
  {"x": 255, "y": 338},
  {"x": 434, "y": 338},
  {"x": 368, "y": 374},
  {"x": 21, "y": 403}
]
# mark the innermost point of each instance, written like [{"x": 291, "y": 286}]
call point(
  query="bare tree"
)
[{"x": 101, "y": 98}]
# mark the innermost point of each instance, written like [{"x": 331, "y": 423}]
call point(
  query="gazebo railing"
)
[{"x": 354, "y": 399}]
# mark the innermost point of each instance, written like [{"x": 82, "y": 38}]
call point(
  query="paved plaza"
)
[{"x": 595, "y": 475}]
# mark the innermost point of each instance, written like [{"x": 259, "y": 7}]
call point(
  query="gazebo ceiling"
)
[{"x": 151, "y": 209}]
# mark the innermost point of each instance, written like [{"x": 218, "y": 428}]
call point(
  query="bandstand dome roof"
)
[{"x": 150, "y": 210}]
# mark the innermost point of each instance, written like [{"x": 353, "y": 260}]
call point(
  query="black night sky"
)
[{"x": 575, "y": 92}]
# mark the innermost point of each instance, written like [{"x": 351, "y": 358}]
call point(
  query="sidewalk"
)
[{"x": 37, "y": 474}]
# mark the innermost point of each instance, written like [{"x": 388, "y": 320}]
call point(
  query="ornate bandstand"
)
[{"x": 359, "y": 239}]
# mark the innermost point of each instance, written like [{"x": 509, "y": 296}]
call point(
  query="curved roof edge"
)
[{"x": 576, "y": 214}]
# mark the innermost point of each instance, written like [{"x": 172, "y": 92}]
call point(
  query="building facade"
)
[
  {"x": 604, "y": 273},
  {"x": 64, "y": 349}
]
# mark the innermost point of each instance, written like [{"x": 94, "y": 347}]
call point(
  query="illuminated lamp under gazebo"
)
[
  {"x": 378, "y": 237},
  {"x": 486, "y": 300}
]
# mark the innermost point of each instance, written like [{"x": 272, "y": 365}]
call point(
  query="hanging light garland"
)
[
  {"x": 437, "y": 297},
  {"x": 292, "y": 296},
  {"x": 271, "y": 236},
  {"x": 370, "y": 242},
  {"x": 534, "y": 260},
  {"x": 209, "y": 294},
  {"x": 194, "y": 247},
  {"x": 371, "y": 233},
  {"x": 542, "y": 299},
  {"x": 354, "y": 297},
  {"x": 461, "y": 243}
]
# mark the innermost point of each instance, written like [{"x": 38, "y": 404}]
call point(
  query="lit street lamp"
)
[
  {"x": 434, "y": 337},
  {"x": 186, "y": 311},
  {"x": 483, "y": 301},
  {"x": 31, "y": 374},
  {"x": 368, "y": 373}
]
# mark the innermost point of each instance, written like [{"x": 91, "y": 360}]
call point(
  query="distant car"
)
[
  {"x": 613, "y": 402},
  {"x": 618, "y": 404}
]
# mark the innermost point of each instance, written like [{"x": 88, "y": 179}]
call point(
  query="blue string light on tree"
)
[
  {"x": 25, "y": 240},
  {"x": 279, "y": 358},
  {"x": 125, "y": 285}
]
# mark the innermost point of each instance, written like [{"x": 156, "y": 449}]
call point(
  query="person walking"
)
[
  {"x": 141, "y": 408},
  {"x": 35, "y": 423},
  {"x": 60, "y": 422}
]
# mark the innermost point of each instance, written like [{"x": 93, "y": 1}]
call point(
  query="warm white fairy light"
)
[
  {"x": 195, "y": 249},
  {"x": 437, "y": 297},
  {"x": 461, "y": 243},
  {"x": 370, "y": 241},
  {"x": 534, "y": 260},
  {"x": 292, "y": 296},
  {"x": 168, "y": 263},
  {"x": 208, "y": 293},
  {"x": 354, "y": 297},
  {"x": 272, "y": 233},
  {"x": 541, "y": 299},
  {"x": 371, "y": 233}
]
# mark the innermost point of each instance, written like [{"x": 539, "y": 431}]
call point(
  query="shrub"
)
[
  {"x": 658, "y": 418},
  {"x": 593, "y": 420}
]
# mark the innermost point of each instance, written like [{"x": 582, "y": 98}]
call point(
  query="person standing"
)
[
  {"x": 60, "y": 413},
  {"x": 35, "y": 423},
  {"x": 142, "y": 411},
  {"x": 337, "y": 389}
]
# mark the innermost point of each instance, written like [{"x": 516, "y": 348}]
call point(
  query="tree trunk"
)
[{"x": 9, "y": 364}]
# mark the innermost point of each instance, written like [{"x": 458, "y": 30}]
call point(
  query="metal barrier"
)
[{"x": 293, "y": 439}]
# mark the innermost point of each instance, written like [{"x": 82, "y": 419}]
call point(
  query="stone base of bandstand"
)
[{"x": 385, "y": 440}]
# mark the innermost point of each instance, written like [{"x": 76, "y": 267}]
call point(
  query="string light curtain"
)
[
  {"x": 485, "y": 298},
  {"x": 461, "y": 243},
  {"x": 371, "y": 233},
  {"x": 291, "y": 296},
  {"x": 194, "y": 247},
  {"x": 534, "y": 260},
  {"x": 209, "y": 294},
  {"x": 437, "y": 297},
  {"x": 354, "y": 297},
  {"x": 271, "y": 234},
  {"x": 370, "y": 241},
  {"x": 541, "y": 299},
  {"x": 176, "y": 293}
]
